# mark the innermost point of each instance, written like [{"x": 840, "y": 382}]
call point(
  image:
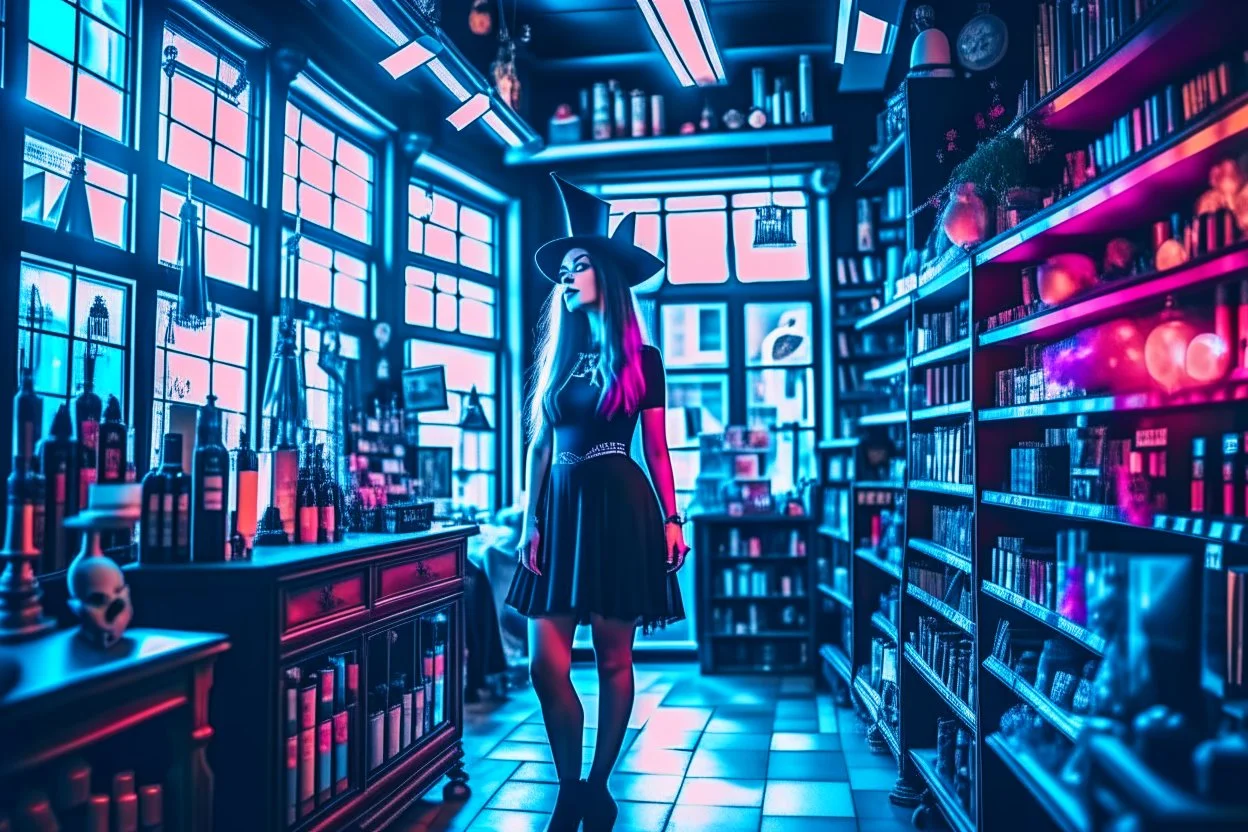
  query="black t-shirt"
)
[{"x": 580, "y": 426}]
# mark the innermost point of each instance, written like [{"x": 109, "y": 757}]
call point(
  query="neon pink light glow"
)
[
  {"x": 692, "y": 52},
  {"x": 871, "y": 34},
  {"x": 470, "y": 111},
  {"x": 406, "y": 59}
]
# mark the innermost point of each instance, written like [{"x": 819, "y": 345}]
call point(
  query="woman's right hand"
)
[{"x": 527, "y": 549}]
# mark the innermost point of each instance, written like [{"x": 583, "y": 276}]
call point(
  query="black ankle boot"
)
[
  {"x": 569, "y": 807},
  {"x": 600, "y": 808}
]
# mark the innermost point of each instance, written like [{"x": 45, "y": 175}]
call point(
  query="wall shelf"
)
[
  {"x": 1068, "y": 724},
  {"x": 1232, "y": 391},
  {"x": 941, "y": 411},
  {"x": 882, "y": 485},
  {"x": 830, "y": 592},
  {"x": 891, "y": 312},
  {"x": 835, "y": 658},
  {"x": 868, "y": 556},
  {"x": 940, "y": 553},
  {"x": 845, "y": 444},
  {"x": 888, "y": 628},
  {"x": 951, "y": 489},
  {"x": 1061, "y": 806},
  {"x": 946, "y": 287},
  {"x": 960, "y": 709},
  {"x": 874, "y": 707},
  {"x": 885, "y": 371},
  {"x": 1109, "y": 300},
  {"x": 699, "y": 142},
  {"x": 942, "y": 609},
  {"x": 833, "y": 533},
  {"x": 892, "y": 417},
  {"x": 942, "y": 793},
  {"x": 888, "y": 166},
  {"x": 956, "y": 351},
  {"x": 1075, "y": 632}
]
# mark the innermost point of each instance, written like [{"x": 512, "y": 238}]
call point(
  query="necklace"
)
[{"x": 586, "y": 366}]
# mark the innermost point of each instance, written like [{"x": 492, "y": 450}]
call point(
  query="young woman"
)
[{"x": 596, "y": 547}]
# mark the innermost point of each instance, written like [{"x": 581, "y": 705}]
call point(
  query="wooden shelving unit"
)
[
  {"x": 719, "y": 140},
  {"x": 1123, "y": 201}
]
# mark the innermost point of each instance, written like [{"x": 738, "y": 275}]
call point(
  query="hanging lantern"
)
[
  {"x": 480, "y": 20},
  {"x": 472, "y": 420},
  {"x": 72, "y": 210},
  {"x": 284, "y": 407},
  {"x": 97, "y": 320},
  {"x": 773, "y": 226},
  {"x": 1165, "y": 350},
  {"x": 192, "y": 304}
]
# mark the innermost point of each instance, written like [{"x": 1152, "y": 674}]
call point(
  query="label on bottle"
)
[
  {"x": 168, "y": 521},
  {"x": 184, "y": 519},
  {"x": 214, "y": 492},
  {"x": 328, "y": 516},
  {"x": 309, "y": 523},
  {"x": 152, "y": 520},
  {"x": 89, "y": 434},
  {"x": 248, "y": 503},
  {"x": 112, "y": 465}
]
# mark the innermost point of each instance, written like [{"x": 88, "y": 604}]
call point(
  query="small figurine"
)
[{"x": 98, "y": 593}]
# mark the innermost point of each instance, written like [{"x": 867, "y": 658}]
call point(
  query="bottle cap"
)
[
  {"x": 151, "y": 805},
  {"x": 112, "y": 410},
  {"x": 209, "y": 425},
  {"x": 62, "y": 427},
  {"x": 123, "y": 783},
  {"x": 98, "y": 809},
  {"x": 172, "y": 452},
  {"x": 74, "y": 787}
]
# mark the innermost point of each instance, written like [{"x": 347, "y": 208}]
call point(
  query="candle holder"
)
[{"x": 21, "y": 611}]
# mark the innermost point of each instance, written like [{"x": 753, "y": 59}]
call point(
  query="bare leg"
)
[
  {"x": 550, "y": 662},
  {"x": 613, "y": 648}
]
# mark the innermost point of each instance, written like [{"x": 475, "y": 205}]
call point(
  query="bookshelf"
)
[{"x": 958, "y": 521}]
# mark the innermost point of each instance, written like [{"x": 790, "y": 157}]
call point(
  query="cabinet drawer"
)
[
  {"x": 413, "y": 575},
  {"x": 330, "y": 597}
]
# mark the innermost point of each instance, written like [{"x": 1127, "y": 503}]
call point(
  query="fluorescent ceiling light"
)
[
  {"x": 406, "y": 59},
  {"x": 871, "y": 35},
  {"x": 448, "y": 80},
  {"x": 470, "y": 111},
  {"x": 379, "y": 19},
  {"x": 502, "y": 130},
  {"x": 842, "y": 29},
  {"x": 684, "y": 37},
  {"x": 478, "y": 187}
]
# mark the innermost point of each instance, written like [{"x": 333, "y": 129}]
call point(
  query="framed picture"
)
[
  {"x": 433, "y": 470},
  {"x": 424, "y": 389}
]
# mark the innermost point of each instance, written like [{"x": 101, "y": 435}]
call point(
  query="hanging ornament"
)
[
  {"x": 1208, "y": 358},
  {"x": 192, "y": 309},
  {"x": 503, "y": 70},
  {"x": 966, "y": 218},
  {"x": 773, "y": 224},
  {"x": 283, "y": 407},
  {"x": 1165, "y": 350},
  {"x": 72, "y": 210},
  {"x": 480, "y": 20}
]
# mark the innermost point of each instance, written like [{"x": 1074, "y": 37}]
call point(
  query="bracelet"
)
[{"x": 675, "y": 519}]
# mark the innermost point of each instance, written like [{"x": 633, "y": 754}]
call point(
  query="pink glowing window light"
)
[{"x": 683, "y": 33}]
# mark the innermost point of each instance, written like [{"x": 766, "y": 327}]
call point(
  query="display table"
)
[
  {"x": 140, "y": 705},
  {"x": 379, "y": 620}
]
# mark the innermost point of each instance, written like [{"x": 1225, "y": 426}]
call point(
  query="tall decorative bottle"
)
[{"x": 210, "y": 492}]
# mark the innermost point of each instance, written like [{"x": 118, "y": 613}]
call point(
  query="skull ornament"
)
[{"x": 100, "y": 597}]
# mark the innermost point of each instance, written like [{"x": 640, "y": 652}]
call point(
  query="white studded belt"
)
[{"x": 601, "y": 449}]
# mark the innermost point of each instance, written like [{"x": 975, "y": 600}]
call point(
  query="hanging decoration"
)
[
  {"x": 773, "y": 224},
  {"x": 430, "y": 10},
  {"x": 472, "y": 420},
  {"x": 480, "y": 19},
  {"x": 72, "y": 209},
  {"x": 503, "y": 70},
  {"x": 191, "y": 311},
  {"x": 283, "y": 407},
  {"x": 35, "y": 314}
]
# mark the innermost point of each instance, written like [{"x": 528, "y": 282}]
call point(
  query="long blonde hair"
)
[{"x": 563, "y": 335}]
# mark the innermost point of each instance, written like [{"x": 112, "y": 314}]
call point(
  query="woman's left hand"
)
[{"x": 677, "y": 549}]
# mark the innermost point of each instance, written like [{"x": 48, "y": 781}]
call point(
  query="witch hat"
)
[{"x": 588, "y": 219}]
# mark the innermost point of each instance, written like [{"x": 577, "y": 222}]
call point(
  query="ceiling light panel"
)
[
  {"x": 871, "y": 35},
  {"x": 684, "y": 36},
  {"x": 380, "y": 20},
  {"x": 448, "y": 80},
  {"x": 407, "y": 59},
  {"x": 470, "y": 111}
]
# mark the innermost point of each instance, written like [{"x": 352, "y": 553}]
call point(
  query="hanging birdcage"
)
[{"x": 773, "y": 226}]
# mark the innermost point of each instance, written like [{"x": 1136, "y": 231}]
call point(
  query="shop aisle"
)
[{"x": 722, "y": 753}]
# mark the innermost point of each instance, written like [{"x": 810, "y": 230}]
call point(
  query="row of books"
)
[
  {"x": 869, "y": 344},
  {"x": 939, "y": 328},
  {"x": 942, "y": 455},
  {"x": 944, "y": 384},
  {"x": 1071, "y": 34},
  {"x": 1154, "y": 119}
]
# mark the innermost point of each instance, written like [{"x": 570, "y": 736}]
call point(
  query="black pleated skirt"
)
[{"x": 601, "y": 548}]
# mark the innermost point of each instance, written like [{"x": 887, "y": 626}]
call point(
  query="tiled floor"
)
[{"x": 722, "y": 753}]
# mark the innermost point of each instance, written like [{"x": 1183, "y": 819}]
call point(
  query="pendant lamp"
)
[
  {"x": 473, "y": 420},
  {"x": 283, "y": 408},
  {"x": 72, "y": 209},
  {"x": 192, "y": 305},
  {"x": 773, "y": 224}
]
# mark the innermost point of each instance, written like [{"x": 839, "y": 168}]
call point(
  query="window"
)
[
  {"x": 700, "y": 245},
  {"x": 327, "y": 179},
  {"x": 77, "y": 61},
  {"x": 438, "y": 226},
  {"x": 449, "y": 304},
  {"x": 331, "y": 278},
  {"x": 695, "y": 335},
  {"x": 473, "y": 454},
  {"x": 780, "y": 381},
  {"x": 316, "y": 381},
  {"x": 54, "y": 304},
  {"x": 205, "y": 111},
  {"x": 225, "y": 241},
  {"x": 45, "y": 174},
  {"x": 190, "y": 364}
]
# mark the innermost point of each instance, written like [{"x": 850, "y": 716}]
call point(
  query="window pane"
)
[
  {"x": 45, "y": 174},
  {"x": 475, "y": 255},
  {"x": 52, "y": 25},
  {"x": 192, "y": 104},
  {"x": 475, "y": 224},
  {"x": 696, "y": 404},
  {"x": 112, "y": 12},
  {"x": 780, "y": 396},
  {"x": 697, "y": 247},
  {"x": 464, "y": 367},
  {"x": 445, "y": 211},
  {"x": 440, "y": 243},
  {"x": 333, "y": 177},
  {"x": 100, "y": 106},
  {"x": 765, "y": 264},
  {"x": 777, "y": 334},
  {"x": 695, "y": 335},
  {"x": 102, "y": 50},
  {"x": 331, "y": 278},
  {"x": 226, "y": 258},
  {"x": 49, "y": 81}
]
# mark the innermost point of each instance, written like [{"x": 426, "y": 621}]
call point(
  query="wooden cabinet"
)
[
  {"x": 140, "y": 706},
  {"x": 357, "y": 628}
]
